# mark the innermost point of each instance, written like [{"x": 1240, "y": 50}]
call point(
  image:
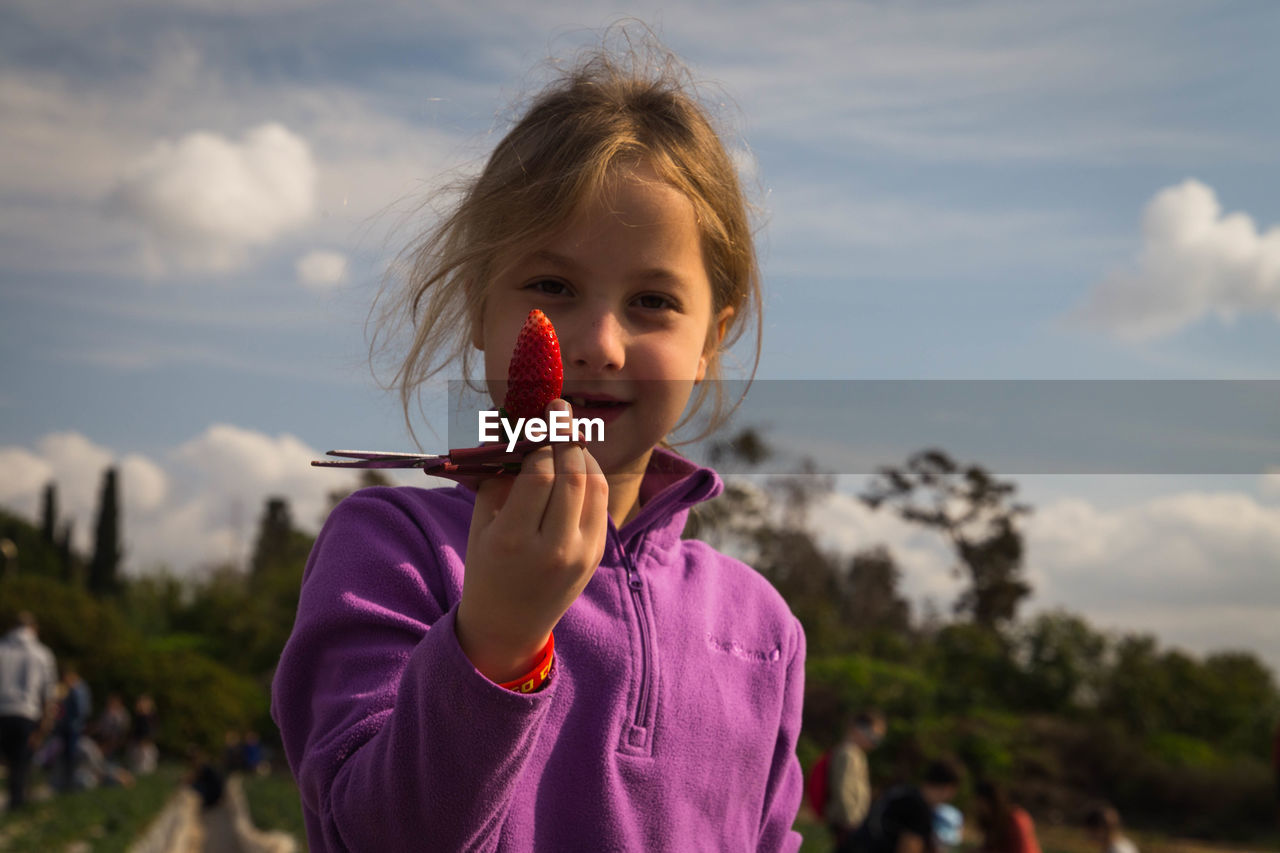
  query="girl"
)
[{"x": 541, "y": 662}]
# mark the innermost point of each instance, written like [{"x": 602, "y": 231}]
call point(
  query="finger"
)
[
  {"x": 561, "y": 522},
  {"x": 594, "y": 519},
  {"x": 492, "y": 493},
  {"x": 530, "y": 491}
]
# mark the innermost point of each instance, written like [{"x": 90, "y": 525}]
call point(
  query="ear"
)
[{"x": 715, "y": 336}]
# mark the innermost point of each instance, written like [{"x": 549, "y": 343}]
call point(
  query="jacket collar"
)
[{"x": 672, "y": 486}]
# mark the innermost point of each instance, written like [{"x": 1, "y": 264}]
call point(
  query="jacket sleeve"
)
[
  {"x": 786, "y": 779},
  {"x": 396, "y": 741}
]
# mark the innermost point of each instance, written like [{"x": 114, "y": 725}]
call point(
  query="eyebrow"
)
[{"x": 566, "y": 263}]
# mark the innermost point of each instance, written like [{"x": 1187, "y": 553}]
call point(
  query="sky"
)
[{"x": 199, "y": 201}]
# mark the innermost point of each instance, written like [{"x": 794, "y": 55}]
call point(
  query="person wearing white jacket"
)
[{"x": 28, "y": 679}]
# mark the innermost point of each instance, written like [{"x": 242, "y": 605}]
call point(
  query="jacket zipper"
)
[{"x": 636, "y": 587}]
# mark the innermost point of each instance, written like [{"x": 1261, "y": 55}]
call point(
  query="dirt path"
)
[{"x": 219, "y": 830}]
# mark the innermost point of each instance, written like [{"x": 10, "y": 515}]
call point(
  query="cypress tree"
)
[
  {"x": 49, "y": 513},
  {"x": 275, "y": 535},
  {"x": 66, "y": 560},
  {"x": 103, "y": 571}
]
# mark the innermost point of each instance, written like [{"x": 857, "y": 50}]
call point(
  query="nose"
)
[{"x": 595, "y": 342}]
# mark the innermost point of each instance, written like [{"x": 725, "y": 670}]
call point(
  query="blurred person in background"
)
[
  {"x": 948, "y": 826},
  {"x": 1006, "y": 826},
  {"x": 1104, "y": 824},
  {"x": 206, "y": 779},
  {"x": 111, "y": 729},
  {"x": 232, "y": 752},
  {"x": 28, "y": 679},
  {"x": 251, "y": 753},
  {"x": 901, "y": 821},
  {"x": 848, "y": 777},
  {"x": 143, "y": 754},
  {"x": 74, "y": 706}
]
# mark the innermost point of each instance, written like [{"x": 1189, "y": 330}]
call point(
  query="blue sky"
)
[{"x": 198, "y": 201}]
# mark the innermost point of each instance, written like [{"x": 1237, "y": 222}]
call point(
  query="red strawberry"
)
[{"x": 535, "y": 375}]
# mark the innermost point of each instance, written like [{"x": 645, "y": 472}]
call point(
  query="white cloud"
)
[
  {"x": 193, "y": 505},
  {"x": 848, "y": 526},
  {"x": 75, "y": 465},
  {"x": 1188, "y": 548},
  {"x": 321, "y": 270},
  {"x": 148, "y": 485},
  {"x": 71, "y": 143},
  {"x": 24, "y": 475},
  {"x": 1270, "y": 482},
  {"x": 242, "y": 467},
  {"x": 205, "y": 200},
  {"x": 1197, "y": 569},
  {"x": 1194, "y": 261}
]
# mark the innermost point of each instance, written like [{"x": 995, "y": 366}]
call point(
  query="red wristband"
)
[{"x": 541, "y": 672}]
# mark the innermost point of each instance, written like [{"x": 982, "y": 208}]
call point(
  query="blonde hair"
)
[{"x": 612, "y": 110}]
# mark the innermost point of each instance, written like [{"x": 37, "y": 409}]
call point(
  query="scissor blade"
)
[
  {"x": 381, "y": 454},
  {"x": 373, "y": 463},
  {"x": 378, "y": 459}
]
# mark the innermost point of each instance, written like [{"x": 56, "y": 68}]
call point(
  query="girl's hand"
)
[{"x": 535, "y": 541}]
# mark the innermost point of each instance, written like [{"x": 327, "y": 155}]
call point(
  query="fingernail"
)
[{"x": 559, "y": 405}]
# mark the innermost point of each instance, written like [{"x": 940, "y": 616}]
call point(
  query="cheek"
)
[
  {"x": 498, "y": 334},
  {"x": 498, "y": 337},
  {"x": 677, "y": 358}
]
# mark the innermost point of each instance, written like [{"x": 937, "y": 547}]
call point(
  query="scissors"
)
[{"x": 465, "y": 462}]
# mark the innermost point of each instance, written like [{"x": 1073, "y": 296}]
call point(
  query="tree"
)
[
  {"x": 275, "y": 535},
  {"x": 872, "y": 600},
  {"x": 107, "y": 552},
  {"x": 49, "y": 513},
  {"x": 809, "y": 580},
  {"x": 728, "y": 522},
  {"x": 1064, "y": 661},
  {"x": 767, "y": 526},
  {"x": 67, "y": 559},
  {"x": 26, "y": 552},
  {"x": 269, "y": 595},
  {"x": 973, "y": 667},
  {"x": 976, "y": 513}
]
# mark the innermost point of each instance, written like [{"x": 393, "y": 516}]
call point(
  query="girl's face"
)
[{"x": 625, "y": 285}]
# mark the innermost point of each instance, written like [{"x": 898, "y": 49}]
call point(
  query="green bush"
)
[
  {"x": 197, "y": 699},
  {"x": 1182, "y": 751},
  {"x": 838, "y": 686}
]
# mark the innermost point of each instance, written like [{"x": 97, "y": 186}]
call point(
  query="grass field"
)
[
  {"x": 105, "y": 819},
  {"x": 274, "y": 805},
  {"x": 1053, "y": 839}
]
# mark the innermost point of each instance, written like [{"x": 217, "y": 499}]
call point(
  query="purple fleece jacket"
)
[{"x": 670, "y": 721}]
